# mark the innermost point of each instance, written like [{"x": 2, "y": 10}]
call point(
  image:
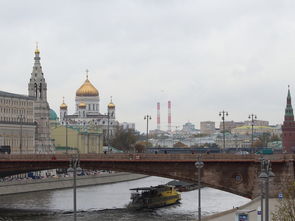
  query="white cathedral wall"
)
[{"x": 92, "y": 103}]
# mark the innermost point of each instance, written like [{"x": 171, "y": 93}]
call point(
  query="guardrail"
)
[{"x": 145, "y": 156}]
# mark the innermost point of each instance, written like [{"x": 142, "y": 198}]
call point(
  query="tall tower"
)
[
  {"x": 169, "y": 116},
  {"x": 158, "y": 117},
  {"x": 63, "y": 111},
  {"x": 111, "y": 109},
  {"x": 111, "y": 118},
  {"x": 37, "y": 84},
  {"x": 38, "y": 89},
  {"x": 288, "y": 127}
]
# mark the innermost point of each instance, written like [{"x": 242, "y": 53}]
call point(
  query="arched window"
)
[
  {"x": 40, "y": 90},
  {"x": 36, "y": 89}
]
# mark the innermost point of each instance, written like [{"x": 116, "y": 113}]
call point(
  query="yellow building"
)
[
  {"x": 247, "y": 130},
  {"x": 88, "y": 140}
]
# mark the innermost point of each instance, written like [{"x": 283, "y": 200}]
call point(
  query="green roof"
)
[
  {"x": 66, "y": 148},
  {"x": 52, "y": 115}
]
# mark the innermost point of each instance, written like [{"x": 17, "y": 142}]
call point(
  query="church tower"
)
[
  {"x": 38, "y": 90},
  {"x": 288, "y": 127},
  {"x": 37, "y": 85},
  {"x": 112, "y": 109},
  {"x": 63, "y": 112}
]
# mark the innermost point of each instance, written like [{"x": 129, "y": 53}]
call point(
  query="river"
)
[{"x": 108, "y": 202}]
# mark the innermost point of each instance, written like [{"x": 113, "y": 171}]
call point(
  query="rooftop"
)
[{"x": 20, "y": 96}]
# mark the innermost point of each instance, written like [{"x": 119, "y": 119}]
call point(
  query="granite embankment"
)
[
  {"x": 249, "y": 209},
  {"x": 23, "y": 186}
]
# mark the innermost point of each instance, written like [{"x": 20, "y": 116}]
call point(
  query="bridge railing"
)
[{"x": 147, "y": 157}]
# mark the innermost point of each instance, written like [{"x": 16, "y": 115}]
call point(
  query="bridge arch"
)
[{"x": 230, "y": 173}]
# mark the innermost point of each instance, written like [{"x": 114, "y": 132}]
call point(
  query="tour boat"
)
[{"x": 153, "y": 197}]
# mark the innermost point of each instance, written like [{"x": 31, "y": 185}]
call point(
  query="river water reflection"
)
[{"x": 108, "y": 202}]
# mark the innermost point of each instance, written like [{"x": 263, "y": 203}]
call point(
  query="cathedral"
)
[{"x": 87, "y": 111}]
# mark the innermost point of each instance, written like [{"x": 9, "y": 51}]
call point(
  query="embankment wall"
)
[{"x": 23, "y": 186}]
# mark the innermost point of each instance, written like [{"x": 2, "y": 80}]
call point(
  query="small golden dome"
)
[
  {"x": 111, "y": 105},
  {"x": 37, "y": 49},
  {"x": 87, "y": 89},
  {"x": 82, "y": 105},
  {"x": 63, "y": 106}
]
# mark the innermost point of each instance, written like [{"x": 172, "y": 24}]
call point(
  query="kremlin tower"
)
[{"x": 288, "y": 127}]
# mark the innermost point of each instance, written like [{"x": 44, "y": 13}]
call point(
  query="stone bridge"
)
[{"x": 237, "y": 174}]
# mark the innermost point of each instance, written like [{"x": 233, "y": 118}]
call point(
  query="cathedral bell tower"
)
[
  {"x": 63, "y": 112},
  {"x": 37, "y": 84},
  {"x": 288, "y": 127},
  {"x": 38, "y": 90},
  {"x": 111, "y": 109}
]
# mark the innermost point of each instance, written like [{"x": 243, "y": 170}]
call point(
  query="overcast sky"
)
[{"x": 204, "y": 56}]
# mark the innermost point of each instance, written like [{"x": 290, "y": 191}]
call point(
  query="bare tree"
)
[{"x": 285, "y": 211}]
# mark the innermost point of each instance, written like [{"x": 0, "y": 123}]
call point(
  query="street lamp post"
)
[
  {"x": 252, "y": 117},
  {"x": 199, "y": 165},
  {"x": 147, "y": 118},
  {"x": 266, "y": 173},
  {"x": 75, "y": 168},
  {"x": 223, "y": 114},
  {"x": 66, "y": 135},
  {"x": 20, "y": 118},
  {"x": 108, "y": 132}
]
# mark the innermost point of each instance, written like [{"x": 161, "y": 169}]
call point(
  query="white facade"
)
[{"x": 127, "y": 126}]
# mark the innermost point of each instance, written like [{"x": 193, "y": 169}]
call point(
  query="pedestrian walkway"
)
[{"x": 249, "y": 208}]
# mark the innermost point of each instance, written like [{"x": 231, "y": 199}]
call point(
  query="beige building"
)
[
  {"x": 229, "y": 125},
  {"x": 257, "y": 123},
  {"x": 17, "y": 127},
  {"x": 85, "y": 140},
  {"x": 207, "y": 127}
]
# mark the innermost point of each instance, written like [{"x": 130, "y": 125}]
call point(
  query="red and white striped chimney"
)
[
  {"x": 158, "y": 116},
  {"x": 169, "y": 116}
]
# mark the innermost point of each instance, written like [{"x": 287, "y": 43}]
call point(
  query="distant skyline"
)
[{"x": 204, "y": 56}]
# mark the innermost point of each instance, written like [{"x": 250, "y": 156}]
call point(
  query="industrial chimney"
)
[
  {"x": 158, "y": 116},
  {"x": 169, "y": 116}
]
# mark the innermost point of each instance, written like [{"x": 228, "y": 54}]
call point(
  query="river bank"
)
[
  {"x": 24, "y": 186},
  {"x": 249, "y": 209}
]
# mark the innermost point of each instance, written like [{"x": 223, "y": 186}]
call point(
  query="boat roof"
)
[{"x": 150, "y": 188}]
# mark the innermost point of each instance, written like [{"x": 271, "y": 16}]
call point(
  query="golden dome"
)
[
  {"x": 82, "y": 105},
  {"x": 111, "y": 105},
  {"x": 37, "y": 49},
  {"x": 63, "y": 106},
  {"x": 87, "y": 89}
]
